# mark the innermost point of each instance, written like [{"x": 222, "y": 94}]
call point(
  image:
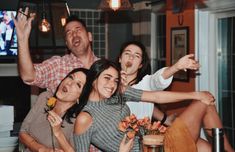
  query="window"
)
[
  {"x": 95, "y": 25},
  {"x": 226, "y": 74},
  {"x": 158, "y": 41}
]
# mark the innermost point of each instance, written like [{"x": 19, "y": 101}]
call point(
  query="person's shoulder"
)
[
  {"x": 83, "y": 118},
  {"x": 52, "y": 59},
  {"x": 62, "y": 56},
  {"x": 57, "y": 59},
  {"x": 43, "y": 97},
  {"x": 46, "y": 94},
  {"x": 144, "y": 83},
  {"x": 83, "y": 122}
]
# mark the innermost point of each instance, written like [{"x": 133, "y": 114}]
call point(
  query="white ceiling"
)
[{"x": 220, "y": 4}]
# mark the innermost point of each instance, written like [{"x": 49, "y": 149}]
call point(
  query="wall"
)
[
  {"x": 14, "y": 92},
  {"x": 172, "y": 21},
  {"x": 119, "y": 31}
]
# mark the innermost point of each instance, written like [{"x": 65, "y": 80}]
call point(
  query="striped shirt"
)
[
  {"x": 50, "y": 72},
  {"x": 106, "y": 116}
]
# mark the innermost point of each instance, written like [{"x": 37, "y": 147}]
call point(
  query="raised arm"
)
[
  {"x": 184, "y": 63},
  {"x": 23, "y": 28},
  {"x": 170, "y": 97}
]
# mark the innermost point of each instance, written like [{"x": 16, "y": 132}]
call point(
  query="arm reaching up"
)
[
  {"x": 23, "y": 28},
  {"x": 184, "y": 63}
]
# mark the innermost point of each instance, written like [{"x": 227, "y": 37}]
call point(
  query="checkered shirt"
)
[{"x": 50, "y": 72}]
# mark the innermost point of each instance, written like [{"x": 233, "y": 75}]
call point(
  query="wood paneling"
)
[{"x": 171, "y": 22}]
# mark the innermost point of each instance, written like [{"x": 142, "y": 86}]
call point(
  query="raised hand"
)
[
  {"x": 124, "y": 78},
  {"x": 23, "y": 23},
  {"x": 126, "y": 144},
  {"x": 55, "y": 121},
  {"x": 124, "y": 83},
  {"x": 187, "y": 62}
]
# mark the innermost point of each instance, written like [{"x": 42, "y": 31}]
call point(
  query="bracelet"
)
[{"x": 163, "y": 119}]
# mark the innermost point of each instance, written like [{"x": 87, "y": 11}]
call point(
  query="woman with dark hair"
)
[
  {"x": 101, "y": 108},
  {"x": 35, "y": 132},
  {"x": 142, "y": 55},
  {"x": 138, "y": 75}
]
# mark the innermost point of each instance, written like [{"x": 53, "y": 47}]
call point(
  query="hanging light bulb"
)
[
  {"x": 115, "y": 4},
  {"x": 63, "y": 21},
  {"x": 44, "y": 25}
]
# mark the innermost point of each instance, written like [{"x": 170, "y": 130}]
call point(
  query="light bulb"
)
[
  {"x": 44, "y": 25},
  {"x": 115, "y": 4},
  {"x": 63, "y": 21}
]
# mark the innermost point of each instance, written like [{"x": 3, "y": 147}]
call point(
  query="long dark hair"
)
[
  {"x": 69, "y": 113},
  {"x": 96, "y": 69},
  {"x": 146, "y": 67}
]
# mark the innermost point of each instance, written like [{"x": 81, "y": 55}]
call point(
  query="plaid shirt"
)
[{"x": 50, "y": 72}]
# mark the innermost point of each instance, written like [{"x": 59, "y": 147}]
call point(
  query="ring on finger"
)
[{"x": 22, "y": 14}]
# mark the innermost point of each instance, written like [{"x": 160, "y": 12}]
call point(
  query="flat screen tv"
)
[{"x": 8, "y": 39}]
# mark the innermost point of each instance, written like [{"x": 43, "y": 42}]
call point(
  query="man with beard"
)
[{"x": 50, "y": 72}]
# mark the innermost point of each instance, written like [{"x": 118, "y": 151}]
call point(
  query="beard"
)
[{"x": 80, "y": 49}]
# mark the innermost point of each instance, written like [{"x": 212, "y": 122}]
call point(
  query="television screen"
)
[{"x": 8, "y": 39}]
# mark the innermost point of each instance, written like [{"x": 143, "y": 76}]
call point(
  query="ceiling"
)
[
  {"x": 92, "y": 4},
  {"x": 219, "y": 4}
]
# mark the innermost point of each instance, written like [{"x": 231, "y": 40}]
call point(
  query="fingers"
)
[
  {"x": 54, "y": 119},
  {"x": 208, "y": 98},
  {"x": 123, "y": 139},
  {"x": 21, "y": 14},
  {"x": 190, "y": 63},
  {"x": 209, "y": 103},
  {"x": 187, "y": 62},
  {"x": 189, "y": 55},
  {"x": 124, "y": 78},
  {"x": 126, "y": 144},
  {"x": 58, "y": 150},
  {"x": 25, "y": 15},
  {"x": 130, "y": 143}
]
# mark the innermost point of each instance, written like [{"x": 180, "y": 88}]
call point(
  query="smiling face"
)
[
  {"x": 77, "y": 38},
  {"x": 71, "y": 87},
  {"x": 132, "y": 56},
  {"x": 106, "y": 84}
]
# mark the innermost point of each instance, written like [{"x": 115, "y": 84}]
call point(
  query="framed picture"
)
[{"x": 179, "y": 48}]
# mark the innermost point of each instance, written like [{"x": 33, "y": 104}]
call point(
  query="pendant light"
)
[
  {"x": 115, "y": 5},
  {"x": 44, "y": 26}
]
